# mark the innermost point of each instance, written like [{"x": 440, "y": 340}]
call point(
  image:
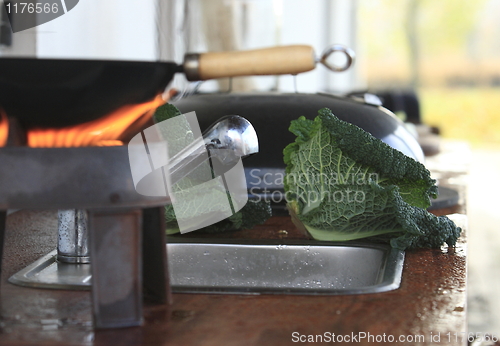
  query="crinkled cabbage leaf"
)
[{"x": 342, "y": 184}]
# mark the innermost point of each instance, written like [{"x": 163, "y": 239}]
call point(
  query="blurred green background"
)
[{"x": 446, "y": 50}]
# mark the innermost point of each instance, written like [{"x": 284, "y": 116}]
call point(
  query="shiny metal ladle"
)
[{"x": 233, "y": 133}]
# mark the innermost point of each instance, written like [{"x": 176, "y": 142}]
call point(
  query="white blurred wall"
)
[{"x": 93, "y": 29}]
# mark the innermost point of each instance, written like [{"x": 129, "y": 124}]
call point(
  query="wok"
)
[{"x": 62, "y": 92}]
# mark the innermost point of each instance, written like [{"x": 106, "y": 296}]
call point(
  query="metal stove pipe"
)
[{"x": 72, "y": 241}]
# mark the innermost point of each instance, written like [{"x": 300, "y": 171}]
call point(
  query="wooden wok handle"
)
[{"x": 267, "y": 61}]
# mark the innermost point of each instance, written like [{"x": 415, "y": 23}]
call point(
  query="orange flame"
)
[
  {"x": 4, "y": 129},
  {"x": 100, "y": 132}
]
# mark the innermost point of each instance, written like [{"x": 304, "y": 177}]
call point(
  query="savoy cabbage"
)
[{"x": 342, "y": 184}]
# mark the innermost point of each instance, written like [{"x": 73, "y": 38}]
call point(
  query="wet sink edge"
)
[
  {"x": 48, "y": 273},
  {"x": 388, "y": 276}
]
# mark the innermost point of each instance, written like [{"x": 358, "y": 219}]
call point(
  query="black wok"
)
[{"x": 60, "y": 92}]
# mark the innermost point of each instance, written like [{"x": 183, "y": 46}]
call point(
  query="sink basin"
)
[
  {"x": 250, "y": 267},
  {"x": 299, "y": 267}
]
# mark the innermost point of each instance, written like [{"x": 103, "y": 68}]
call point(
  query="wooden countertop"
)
[
  {"x": 431, "y": 299},
  {"x": 430, "y": 304}
]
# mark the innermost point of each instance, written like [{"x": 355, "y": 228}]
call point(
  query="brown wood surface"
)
[{"x": 431, "y": 300}]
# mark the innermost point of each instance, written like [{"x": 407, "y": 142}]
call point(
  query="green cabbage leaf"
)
[{"x": 342, "y": 183}]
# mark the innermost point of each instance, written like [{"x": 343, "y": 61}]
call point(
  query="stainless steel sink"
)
[
  {"x": 250, "y": 267},
  {"x": 283, "y": 268}
]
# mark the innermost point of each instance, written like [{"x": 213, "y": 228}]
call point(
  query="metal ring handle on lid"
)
[{"x": 349, "y": 53}]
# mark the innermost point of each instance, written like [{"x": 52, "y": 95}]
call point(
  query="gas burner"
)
[
  {"x": 121, "y": 224},
  {"x": 100, "y": 237}
]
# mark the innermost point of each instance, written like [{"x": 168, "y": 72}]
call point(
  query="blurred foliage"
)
[
  {"x": 381, "y": 28},
  {"x": 457, "y": 58},
  {"x": 452, "y": 39},
  {"x": 471, "y": 114},
  {"x": 447, "y": 25},
  {"x": 443, "y": 25}
]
